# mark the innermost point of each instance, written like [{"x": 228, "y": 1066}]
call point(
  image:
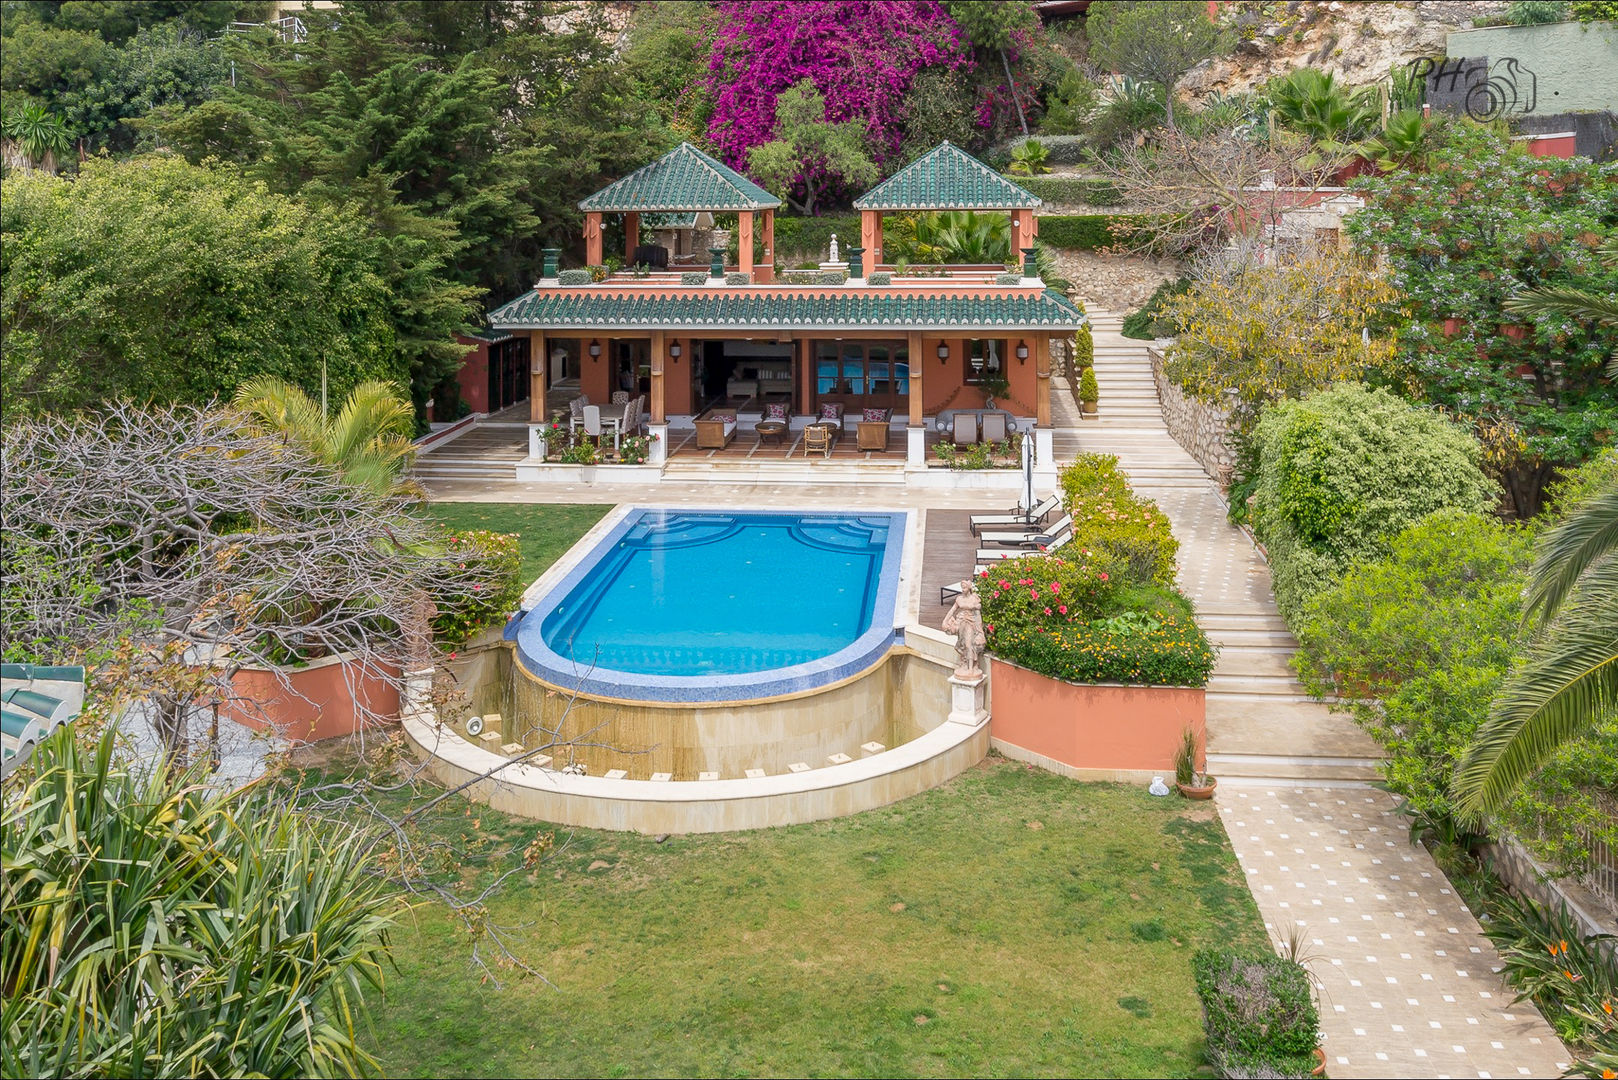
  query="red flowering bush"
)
[
  {"x": 861, "y": 55},
  {"x": 1048, "y": 591},
  {"x": 495, "y": 562}
]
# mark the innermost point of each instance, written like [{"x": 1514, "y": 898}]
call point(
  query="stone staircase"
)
[
  {"x": 487, "y": 452},
  {"x": 1262, "y": 726}
]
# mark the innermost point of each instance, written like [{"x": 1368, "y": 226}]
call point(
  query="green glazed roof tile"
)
[
  {"x": 683, "y": 179},
  {"x": 848, "y": 307},
  {"x": 946, "y": 178}
]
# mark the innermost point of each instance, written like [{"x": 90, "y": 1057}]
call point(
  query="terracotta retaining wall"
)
[
  {"x": 324, "y": 700},
  {"x": 1103, "y": 731}
]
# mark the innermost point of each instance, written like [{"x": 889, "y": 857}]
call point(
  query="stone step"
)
[
  {"x": 1211, "y": 618},
  {"x": 1247, "y": 661},
  {"x": 1255, "y": 769}
]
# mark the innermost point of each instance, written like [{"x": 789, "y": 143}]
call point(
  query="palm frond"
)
[
  {"x": 1588, "y": 535},
  {"x": 283, "y": 408},
  {"x": 1567, "y": 682},
  {"x": 1574, "y": 303},
  {"x": 374, "y": 412}
]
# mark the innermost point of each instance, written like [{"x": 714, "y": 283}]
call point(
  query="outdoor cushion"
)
[
  {"x": 877, "y": 415},
  {"x": 776, "y": 410},
  {"x": 830, "y": 412}
]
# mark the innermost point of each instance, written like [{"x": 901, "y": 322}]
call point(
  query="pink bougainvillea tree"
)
[{"x": 860, "y": 55}]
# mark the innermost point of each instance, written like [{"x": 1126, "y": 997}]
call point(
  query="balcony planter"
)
[{"x": 1199, "y": 791}]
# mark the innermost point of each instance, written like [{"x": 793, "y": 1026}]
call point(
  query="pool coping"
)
[{"x": 890, "y": 614}]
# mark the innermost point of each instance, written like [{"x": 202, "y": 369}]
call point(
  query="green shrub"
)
[
  {"x": 1259, "y": 1014},
  {"x": 1088, "y": 232},
  {"x": 1590, "y": 11},
  {"x": 881, "y": 278},
  {"x": 1046, "y": 593},
  {"x": 1084, "y": 348},
  {"x": 1148, "y": 321},
  {"x": 1536, "y": 12},
  {"x": 1064, "y": 149},
  {"x": 1108, "y": 517},
  {"x": 1007, "y": 279},
  {"x": 1089, "y": 392},
  {"x": 693, "y": 277},
  {"x": 1342, "y": 472},
  {"x": 502, "y": 558},
  {"x": 1134, "y": 648},
  {"x": 1075, "y": 190},
  {"x": 575, "y": 277},
  {"x": 738, "y": 278}
]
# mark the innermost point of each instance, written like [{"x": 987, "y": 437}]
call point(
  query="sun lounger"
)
[
  {"x": 992, "y": 555},
  {"x": 1027, "y": 537},
  {"x": 1030, "y": 518}
]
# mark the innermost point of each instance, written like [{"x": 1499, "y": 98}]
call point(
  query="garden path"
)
[{"x": 1406, "y": 977}]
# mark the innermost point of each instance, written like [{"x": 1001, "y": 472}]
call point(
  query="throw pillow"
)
[{"x": 875, "y": 415}]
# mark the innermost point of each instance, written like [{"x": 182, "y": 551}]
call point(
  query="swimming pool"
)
[{"x": 684, "y": 605}]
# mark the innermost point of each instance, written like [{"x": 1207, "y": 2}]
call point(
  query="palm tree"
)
[
  {"x": 37, "y": 136},
  {"x": 1568, "y": 680},
  {"x": 1314, "y": 104},
  {"x": 1574, "y": 303},
  {"x": 368, "y": 439}
]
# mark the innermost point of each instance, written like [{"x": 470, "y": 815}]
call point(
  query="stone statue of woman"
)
[{"x": 965, "y": 621}]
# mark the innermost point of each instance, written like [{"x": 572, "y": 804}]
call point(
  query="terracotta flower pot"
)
[
  {"x": 1087, "y": 408},
  {"x": 1320, "y": 1059},
  {"x": 1191, "y": 791}
]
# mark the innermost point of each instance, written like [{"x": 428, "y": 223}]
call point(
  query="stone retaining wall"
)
[{"x": 1203, "y": 430}]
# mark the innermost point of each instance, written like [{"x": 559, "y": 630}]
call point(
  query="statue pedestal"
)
[{"x": 968, "y": 700}]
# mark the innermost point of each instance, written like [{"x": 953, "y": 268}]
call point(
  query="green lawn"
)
[
  {"x": 1010, "y": 922},
  {"x": 547, "y": 530}
]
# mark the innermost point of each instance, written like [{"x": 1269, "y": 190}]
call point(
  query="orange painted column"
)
[
  {"x": 631, "y": 237},
  {"x": 592, "y": 239},
  {"x": 870, "y": 224},
  {"x": 918, "y": 364},
  {"x": 1042, "y": 380},
  {"x": 1023, "y": 232},
  {"x": 677, "y": 378},
  {"x": 744, "y": 242},
  {"x": 766, "y": 273},
  {"x": 1021, "y": 374},
  {"x": 659, "y": 362},
  {"x": 536, "y": 376}
]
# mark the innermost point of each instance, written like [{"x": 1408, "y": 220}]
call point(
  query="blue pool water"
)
[{"x": 693, "y": 605}]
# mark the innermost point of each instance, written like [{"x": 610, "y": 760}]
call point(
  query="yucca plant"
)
[
  {"x": 156, "y": 926},
  {"x": 1568, "y": 680},
  {"x": 1401, "y": 142},
  {"x": 368, "y": 439},
  {"x": 39, "y": 135}
]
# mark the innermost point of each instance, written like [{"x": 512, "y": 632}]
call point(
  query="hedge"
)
[
  {"x": 1344, "y": 471},
  {"x": 1258, "y": 1012},
  {"x": 1086, "y": 232},
  {"x": 1148, "y": 322},
  {"x": 1084, "y": 190}
]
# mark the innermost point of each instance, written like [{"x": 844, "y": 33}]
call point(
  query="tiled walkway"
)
[{"x": 1407, "y": 981}]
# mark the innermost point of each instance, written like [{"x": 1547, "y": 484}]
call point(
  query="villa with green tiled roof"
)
[{"x": 856, "y": 343}]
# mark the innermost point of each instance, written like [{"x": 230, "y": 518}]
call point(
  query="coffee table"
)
[{"x": 770, "y": 431}]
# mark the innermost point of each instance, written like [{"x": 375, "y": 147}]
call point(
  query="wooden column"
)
[
  {"x": 536, "y": 376},
  {"x": 631, "y": 237},
  {"x": 918, "y": 362},
  {"x": 592, "y": 239},
  {"x": 766, "y": 273},
  {"x": 744, "y": 242},
  {"x": 659, "y": 363},
  {"x": 1042, "y": 380}
]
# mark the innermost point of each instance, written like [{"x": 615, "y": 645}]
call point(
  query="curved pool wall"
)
[{"x": 785, "y": 664}]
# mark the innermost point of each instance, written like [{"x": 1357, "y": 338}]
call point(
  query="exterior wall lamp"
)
[
  {"x": 674, "y": 351},
  {"x": 1022, "y": 352},
  {"x": 943, "y": 352},
  {"x": 595, "y": 349}
]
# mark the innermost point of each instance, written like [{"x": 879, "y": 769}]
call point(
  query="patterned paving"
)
[{"x": 1407, "y": 980}]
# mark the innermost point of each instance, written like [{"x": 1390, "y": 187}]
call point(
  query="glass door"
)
[{"x": 862, "y": 374}]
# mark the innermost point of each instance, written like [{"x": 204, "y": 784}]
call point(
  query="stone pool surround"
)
[{"x": 566, "y": 675}]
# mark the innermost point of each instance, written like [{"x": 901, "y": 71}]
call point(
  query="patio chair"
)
[
  {"x": 994, "y": 555},
  {"x": 817, "y": 438},
  {"x": 871, "y": 433},
  {"x": 779, "y": 411},
  {"x": 630, "y": 420},
  {"x": 1017, "y": 518},
  {"x": 620, "y": 397},
  {"x": 575, "y": 409},
  {"x": 965, "y": 426},
  {"x": 715, "y": 430},
  {"x": 994, "y": 427},
  {"x": 592, "y": 423},
  {"x": 1029, "y": 539}
]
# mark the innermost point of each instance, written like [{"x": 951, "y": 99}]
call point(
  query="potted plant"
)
[
  {"x": 994, "y": 385},
  {"x": 1089, "y": 392},
  {"x": 1192, "y": 784}
]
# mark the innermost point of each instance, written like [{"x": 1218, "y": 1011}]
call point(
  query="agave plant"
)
[
  {"x": 156, "y": 926},
  {"x": 1029, "y": 157},
  {"x": 1568, "y": 681},
  {"x": 368, "y": 439},
  {"x": 38, "y": 134}
]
